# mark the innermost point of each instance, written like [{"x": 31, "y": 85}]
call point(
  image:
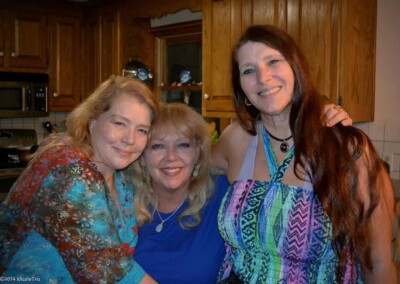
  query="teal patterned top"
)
[
  {"x": 278, "y": 233},
  {"x": 59, "y": 224}
]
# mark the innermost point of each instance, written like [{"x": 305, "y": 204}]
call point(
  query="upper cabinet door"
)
[
  {"x": 109, "y": 45},
  {"x": 356, "y": 58},
  {"x": 221, "y": 29},
  {"x": 28, "y": 34},
  {"x": 65, "y": 63}
]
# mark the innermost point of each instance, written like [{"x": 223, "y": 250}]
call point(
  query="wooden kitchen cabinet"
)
[
  {"x": 337, "y": 38},
  {"x": 221, "y": 29},
  {"x": 101, "y": 48},
  {"x": 65, "y": 67},
  {"x": 23, "y": 43}
]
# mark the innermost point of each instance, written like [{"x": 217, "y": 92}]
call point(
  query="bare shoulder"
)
[{"x": 230, "y": 148}]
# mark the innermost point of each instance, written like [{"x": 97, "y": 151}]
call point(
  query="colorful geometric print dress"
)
[{"x": 277, "y": 233}]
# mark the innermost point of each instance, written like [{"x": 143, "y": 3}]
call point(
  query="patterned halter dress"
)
[{"x": 275, "y": 232}]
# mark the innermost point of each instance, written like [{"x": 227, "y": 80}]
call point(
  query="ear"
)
[
  {"x": 141, "y": 160},
  {"x": 92, "y": 123}
]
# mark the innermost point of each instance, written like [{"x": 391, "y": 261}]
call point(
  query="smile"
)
[
  {"x": 269, "y": 92},
  {"x": 171, "y": 170},
  {"x": 124, "y": 153}
]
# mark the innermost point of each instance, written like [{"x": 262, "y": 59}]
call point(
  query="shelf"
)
[{"x": 181, "y": 88}]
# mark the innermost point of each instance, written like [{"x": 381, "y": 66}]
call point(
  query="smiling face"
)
[
  {"x": 120, "y": 134},
  {"x": 170, "y": 158},
  {"x": 266, "y": 77}
]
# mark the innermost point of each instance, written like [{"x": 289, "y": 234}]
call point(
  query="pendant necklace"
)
[
  {"x": 159, "y": 227},
  {"x": 284, "y": 145}
]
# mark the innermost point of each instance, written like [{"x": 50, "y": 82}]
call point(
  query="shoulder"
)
[{"x": 231, "y": 145}]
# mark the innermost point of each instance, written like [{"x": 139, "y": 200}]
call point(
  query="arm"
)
[
  {"x": 218, "y": 155},
  {"x": 381, "y": 227},
  {"x": 333, "y": 114}
]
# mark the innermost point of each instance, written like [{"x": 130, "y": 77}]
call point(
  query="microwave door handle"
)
[
  {"x": 23, "y": 98},
  {"x": 46, "y": 98}
]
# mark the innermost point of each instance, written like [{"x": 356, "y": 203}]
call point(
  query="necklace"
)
[
  {"x": 284, "y": 145},
  {"x": 159, "y": 227}
]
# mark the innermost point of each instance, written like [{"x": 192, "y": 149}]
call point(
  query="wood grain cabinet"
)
[
  {"x": 337, "y": 37},
  {"x": 23, "y": 40},
  {"x": 101, "y": 48},
  {"x": 65, "y": 67}
]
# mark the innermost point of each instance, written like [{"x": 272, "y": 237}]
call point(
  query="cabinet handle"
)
[
  {"x": 56, "y": 95},
  {"x": 1, "y": 53},
  {"x": 14, "y": 54},
  {"x": 207, "y": 96}
]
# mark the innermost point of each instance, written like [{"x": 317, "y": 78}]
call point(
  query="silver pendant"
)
[{"x": 159, "y": 227}]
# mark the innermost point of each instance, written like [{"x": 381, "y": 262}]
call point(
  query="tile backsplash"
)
[
  {"x": 34, "y": 123},
  {"x": 386, "y": 139}
]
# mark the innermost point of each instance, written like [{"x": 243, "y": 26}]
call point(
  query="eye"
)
[
  {"x": 143, "y": 131},
  {"x": 157, "y": 146},
  {"x": 184, "y": 145},
  {"x": 274, "y": 61},
  {"x": 119, "y": 123},
  {"x": 248, "y": 71}
]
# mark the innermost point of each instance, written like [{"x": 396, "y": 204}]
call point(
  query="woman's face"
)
[
  {"x": 266, "y": 77},
  {"x": 170, "y": 159},
  {"x": 120, "y": 134}
]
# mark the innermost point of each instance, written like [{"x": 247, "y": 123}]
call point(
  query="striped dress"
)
[{"x": 277, "y": 233}]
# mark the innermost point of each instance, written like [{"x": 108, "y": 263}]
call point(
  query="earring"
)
[
  {"x": 247, "y": 102},
  {"x": 196, "y": 170}
]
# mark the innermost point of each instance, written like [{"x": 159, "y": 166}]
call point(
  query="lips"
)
[
  {"x": 124, "y": 153},
  {"x": 270, "y": 91},
  {"x": 171, "y": 171}
]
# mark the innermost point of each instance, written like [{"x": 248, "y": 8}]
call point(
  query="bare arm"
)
[
  {"x": 381, "y": 229},
  {"x": 220, "y": 154}
]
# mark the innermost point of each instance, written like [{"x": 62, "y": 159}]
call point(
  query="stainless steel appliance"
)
[
  {"x": 23, "y": 94},
  {"x": 15, "y": 144}
]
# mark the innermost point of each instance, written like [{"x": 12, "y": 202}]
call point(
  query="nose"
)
[
  {"x": 264, "y": 74},
  {"x": 130, "y": 137},
  {"x": 171, "y": 153}
]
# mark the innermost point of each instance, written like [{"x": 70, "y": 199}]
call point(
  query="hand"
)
[{"x": 333, "y": 114}]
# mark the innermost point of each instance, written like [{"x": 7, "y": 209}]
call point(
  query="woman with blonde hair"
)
[
  {"x": 176, "y": 202},
  {"x": 70, "y": 215}
]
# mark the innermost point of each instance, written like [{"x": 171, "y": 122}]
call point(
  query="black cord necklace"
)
[{"x": 284, "y": 145}]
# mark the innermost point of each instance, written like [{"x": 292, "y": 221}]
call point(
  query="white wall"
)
[
  {"x": 385, "y": 130},
  {"x": 387, "y": 99}
]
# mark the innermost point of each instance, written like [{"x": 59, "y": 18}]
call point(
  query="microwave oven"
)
[{"x": 23, "y": 94}]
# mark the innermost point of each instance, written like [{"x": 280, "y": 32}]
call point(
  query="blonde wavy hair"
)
[
  {"x": 100, "y": 101},
  {"x": 190, "y": 124}
]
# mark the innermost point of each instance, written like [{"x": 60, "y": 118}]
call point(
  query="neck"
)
[
  {"x": 167, "y": 202},
  {"x": 277, "y": 125}
]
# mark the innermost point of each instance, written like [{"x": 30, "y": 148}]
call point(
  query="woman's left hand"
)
[{"x": 333, "y": 114}]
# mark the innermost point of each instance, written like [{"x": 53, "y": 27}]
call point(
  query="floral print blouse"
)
[{"x": 60, "y": 225}]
